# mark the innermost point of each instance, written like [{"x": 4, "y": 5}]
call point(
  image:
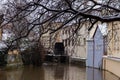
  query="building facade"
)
[
  {"x": 75, "y": 42},
  {"x": 111, "y": 61}
]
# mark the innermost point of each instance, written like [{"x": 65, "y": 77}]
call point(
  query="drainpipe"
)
[
  {"x": 105, "y": 52},
  {"x": 93, "y": 52}
]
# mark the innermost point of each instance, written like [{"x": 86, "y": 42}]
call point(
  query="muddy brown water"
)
[{"x": 57, "y": 72}]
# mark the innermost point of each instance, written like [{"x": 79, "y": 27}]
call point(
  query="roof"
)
[{"x": 92, "y": 32}]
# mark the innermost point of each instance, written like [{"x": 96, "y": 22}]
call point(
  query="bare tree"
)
[
  {"x": 67, "y": 11},
  {"x": 24, "y": 35},
  {"x": 41, "y": 13}
]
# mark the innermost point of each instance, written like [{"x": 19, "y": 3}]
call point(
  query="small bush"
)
[
  {"x": 3, "y": 58},
  {"x": 33, "y": 55}
]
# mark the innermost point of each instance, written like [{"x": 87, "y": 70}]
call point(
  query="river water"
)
[{"x": 56, "y": 72}]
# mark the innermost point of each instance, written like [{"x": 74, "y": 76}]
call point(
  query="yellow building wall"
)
[
  {"x": 49, "y": 39},
  {"x": 109, "y": 76},
  {"x": 111, "y": 62},
  {"x": 112, "y": 65},
  {"x": 76, "y": 45},
  {"x": 113, "y": 39}
]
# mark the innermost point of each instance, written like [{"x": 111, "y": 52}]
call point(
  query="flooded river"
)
[{"x": 57, "y": 72}]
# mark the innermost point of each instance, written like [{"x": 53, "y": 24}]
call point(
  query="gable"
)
[{"x": 98, "y": 34}]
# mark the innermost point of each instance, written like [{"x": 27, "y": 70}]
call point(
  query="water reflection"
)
[
  {"x": 96, "y": 74},
  {"x": 2, "y": 75},
  {"x": 33, "y": 73},
  {"x": 10, "y": 75},
  {"x": 57, "y": 72},
  {"x": 65, "y": 72},
  {"x": 61, "y": 70}
]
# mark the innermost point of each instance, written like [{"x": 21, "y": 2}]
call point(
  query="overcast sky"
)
[{"x": 1, "y": 2}]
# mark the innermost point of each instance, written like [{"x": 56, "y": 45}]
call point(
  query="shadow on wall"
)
[{"x": 59, "y": 48}]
